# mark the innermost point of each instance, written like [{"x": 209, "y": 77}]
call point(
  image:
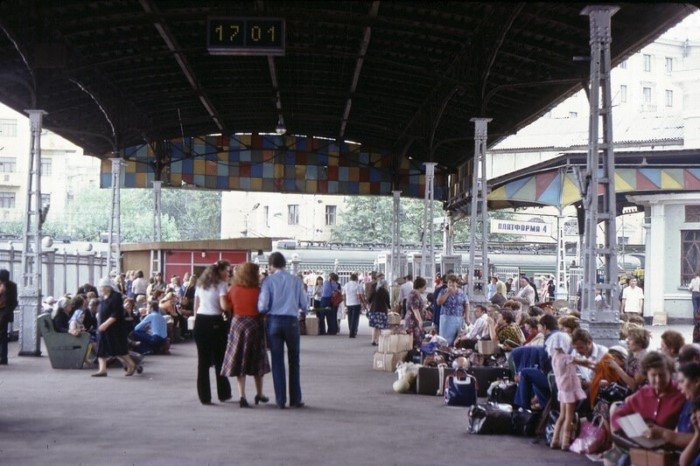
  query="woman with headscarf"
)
[
  {"x": 415, "y": 305},
  {"x": 379, "y": 303},
  {"x": 112, "y": 337}
]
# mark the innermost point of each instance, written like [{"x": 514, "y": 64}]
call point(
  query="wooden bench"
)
[{"x": 65, "y": 350}]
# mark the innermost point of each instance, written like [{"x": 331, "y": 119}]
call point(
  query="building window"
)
[
  {"x": 669, "y": 98},
  {"x": 8, "y": 164},
  {"x": 45, "y": 199},
  {"x": 692, "y": 214},
  {"x": 647, "y": 62},
  {"x": 266, "y": 214},
  {"x": 45, "y": 166},
  {"x": 573, "y": 114},
  {"x": 669, "y": 64},
  {"x": 623, "y": 64},
  {"x": 8, "y": 128},
  {"x": 330, "y": 214},
  {"x": 623, "y": 94},
  {"x": 690, "y": 254},
  {"x": 293, "y": 214},
  {"x": 646, "y": 93},
  {"x": 7, "y": 200}
]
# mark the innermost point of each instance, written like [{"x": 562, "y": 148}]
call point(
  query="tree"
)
[{"x": 197, "y": 213}]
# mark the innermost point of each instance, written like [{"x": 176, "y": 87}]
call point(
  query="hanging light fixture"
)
[{"x": 280, "y": 129}]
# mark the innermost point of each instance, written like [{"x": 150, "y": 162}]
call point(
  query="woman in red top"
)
[{"x": 246, "y": 353}]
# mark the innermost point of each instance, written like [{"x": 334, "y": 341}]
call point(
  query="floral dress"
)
[{"x": 414, "y": 301}]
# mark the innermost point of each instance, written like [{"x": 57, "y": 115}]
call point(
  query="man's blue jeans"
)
[
  {"x": 449, "y": 327},
  {"x": 532, "y": 381},
  {"x": 353, "y": 319},
  {"x": 149, "y": 343},
  {"x": 283, "y": 330}
]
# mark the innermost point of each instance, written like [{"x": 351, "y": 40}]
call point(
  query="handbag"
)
[
  {"x": 460, "y": 391},
  {"x": 524, "y": 422},
  {"x": 614, "y": 392},
  {"x": 489, "y": 419},
  {"x": 592, "y": 439},
  {"x": 503, "y": 391},
  {"x": 336, "y": 298}
]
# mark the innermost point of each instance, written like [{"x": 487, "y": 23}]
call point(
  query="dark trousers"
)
[
  {"x": 4, "y": 323},
  {"x": 330, "y": 315},
  {"x": 532, "y": 381},
  {"x": 149, "y": 343},
  {"x": 210, "y": 335},
  {"x": 696, "y": 306},
  {"x": 353, "y": 319},
  {"x": 403, "y": 309},
  {"x": 321, "y": 313},
  {"x": 281, "y": 331}
]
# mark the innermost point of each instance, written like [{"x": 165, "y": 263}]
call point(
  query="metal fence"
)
[{"x": 63, "y": 271}]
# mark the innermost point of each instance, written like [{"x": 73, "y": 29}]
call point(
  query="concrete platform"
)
[{"x": 352, "y": 417}]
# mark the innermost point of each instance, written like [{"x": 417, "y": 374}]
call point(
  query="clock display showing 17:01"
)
[{"x": 245, "y": 36}]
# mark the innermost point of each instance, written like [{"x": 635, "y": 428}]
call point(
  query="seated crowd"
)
[{"x": 559, "y": 367}]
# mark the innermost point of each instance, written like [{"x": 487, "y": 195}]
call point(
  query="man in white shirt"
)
[
  {"x": 354, "y": 297},
  {"x": 694, "y": 288},
  {"x": 491, "y": 288},
  {"x": 633, "y": 299},
  {"x": 586, "y": 352},
  {"x": 480, "y": 329},
  {"x": 140, "y": 285},
  {"x": 404, "y": 291},
  {"x": 526, "y": 294}
]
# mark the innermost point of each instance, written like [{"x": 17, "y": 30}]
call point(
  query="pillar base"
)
[
  {"x": 604, "y": 326},
  {"x": 29, "y": 303},
  {"x": 660, "y": 318}
]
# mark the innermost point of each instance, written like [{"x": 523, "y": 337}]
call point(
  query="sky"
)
[{"x": 689, "y": 28}]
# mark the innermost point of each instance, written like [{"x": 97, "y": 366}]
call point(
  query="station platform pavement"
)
[{"x": 352, "y": 416}]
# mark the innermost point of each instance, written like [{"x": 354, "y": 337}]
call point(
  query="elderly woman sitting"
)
[{"x": 506, "y": 331}]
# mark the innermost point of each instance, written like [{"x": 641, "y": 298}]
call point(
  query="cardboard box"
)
[
  {"x": 311, "y": 325},
  {"x": 486, "y": 347},
  {"x": 393, "y": 318},
  {"x": 387, "y": 361},
  {"x": 642, "y": 457},
  {"x": 395, "y": 343}
]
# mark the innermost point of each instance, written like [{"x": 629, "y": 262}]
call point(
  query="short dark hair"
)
[
  {"x": 139, "y": 274},
  {"x": 4, "y": 275},
  {"x": 508, "y": 316},
  {"x": 481, "y": 307},
  {"x": 535, "y": 311},
  {"x": 581, "y": 334},
  {"x": 333, "y": 276},
  {"x": 531, "y": 321},
  {"x": 689, "y": 353},
  {"x": 419, "y": 283},
  {"x": 657, "y": 360},
  {"x": 690, "y": 370},
  {"x": 277, "y": 260},
  {"x": 353, "y": 276},
  {"x": 549, "y": 322},
  {"x": 408, "y": 277},
  {"x": 673, "y": 340}
]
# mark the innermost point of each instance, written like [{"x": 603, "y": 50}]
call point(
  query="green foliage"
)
[
  {"x": 185, "y": 215},
  {"x": 368, "y": 219}
]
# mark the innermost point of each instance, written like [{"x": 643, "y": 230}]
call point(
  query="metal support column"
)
[
  {"x": 602, "y": 316},
  {"x": 448, "y": 236},
  {"x": 479, "y": 208},
  {"x": 395, "y": 258},
  {"x": 114, "y": 250},
  {"x": 30, "y": 281},
  {"x": 157, "y": 232},
  {"x": 561, "y": 280},
  {"x": 427, "y": 264}
]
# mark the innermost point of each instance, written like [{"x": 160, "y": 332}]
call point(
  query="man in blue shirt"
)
[
  {"x": 151, "y": 332},
  {"x": 281, "y": 297}
]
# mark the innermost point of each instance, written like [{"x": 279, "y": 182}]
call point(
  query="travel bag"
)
[
  {"x": 485, "y": 376},
  {"x": 428, "y": 380},
  {"x": 490, "y": 419},
  {"x": 460, "y": 389}
]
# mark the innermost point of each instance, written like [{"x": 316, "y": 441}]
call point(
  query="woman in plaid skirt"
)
[{"x": 246, "y": 352}]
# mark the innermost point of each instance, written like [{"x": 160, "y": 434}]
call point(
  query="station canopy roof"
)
[{"x": 380, "y": 73}]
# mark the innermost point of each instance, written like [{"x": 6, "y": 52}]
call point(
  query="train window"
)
[{"x": 692, "y": 213}]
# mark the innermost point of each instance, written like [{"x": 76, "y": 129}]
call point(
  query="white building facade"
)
[
  {"x": 303, "y": 217},
  {"x": 65, "y": 170}
]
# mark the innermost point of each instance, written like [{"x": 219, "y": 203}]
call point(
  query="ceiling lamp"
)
[{"x": 281, "y": 129}]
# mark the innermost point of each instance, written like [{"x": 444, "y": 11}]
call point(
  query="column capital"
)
[
  {"x": 599, "y": 16},
  {"x": 480, "y": 127}
]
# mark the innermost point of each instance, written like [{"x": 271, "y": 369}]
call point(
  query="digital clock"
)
[{"x": 245, "y": 36}]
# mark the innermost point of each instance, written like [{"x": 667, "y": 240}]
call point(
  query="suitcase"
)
[
  {"x": 428, "y": 380},
  {"x": 387, "y": 362},
  {"x": 460, "y": 391},
  {"x": 485, "y": 376},
  {"x": 311, "y": 325}
]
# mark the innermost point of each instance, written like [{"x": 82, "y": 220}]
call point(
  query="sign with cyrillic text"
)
[{"x": 514, "y": 227}]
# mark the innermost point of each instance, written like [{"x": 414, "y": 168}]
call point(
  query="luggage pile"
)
[{"x": 392, "y": 349}]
